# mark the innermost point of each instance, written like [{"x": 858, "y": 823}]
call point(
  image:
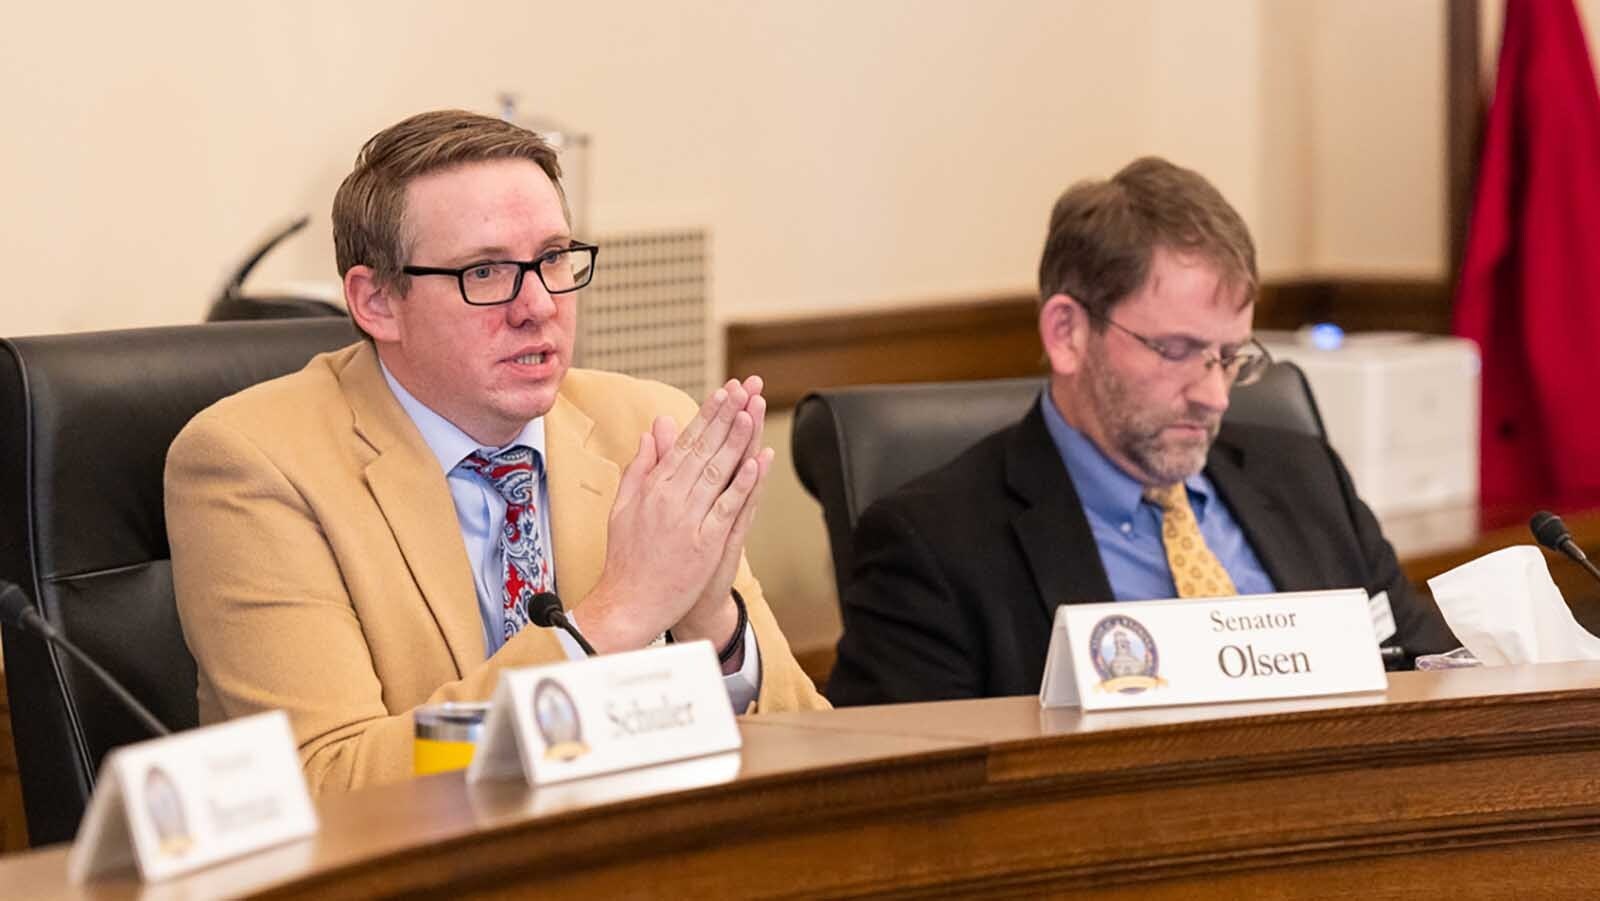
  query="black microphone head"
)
[
  {"x": 541, "y": 606},
  {"x": 1549, "y": 530},
  {"x": 14, "y": 606}
]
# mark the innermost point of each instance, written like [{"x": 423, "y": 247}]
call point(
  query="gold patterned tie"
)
[{"x": 1195, "y": 570}]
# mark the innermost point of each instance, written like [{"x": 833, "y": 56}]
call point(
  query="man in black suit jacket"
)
[{"x": 1147, "y": 284}]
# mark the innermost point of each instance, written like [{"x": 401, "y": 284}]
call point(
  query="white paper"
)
[
  {"x": 1383, "y": 626},
  {"x": 1506, "y": 610}
]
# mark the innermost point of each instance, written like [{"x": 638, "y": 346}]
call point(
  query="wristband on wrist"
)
[{"x": 737, "y": 642}]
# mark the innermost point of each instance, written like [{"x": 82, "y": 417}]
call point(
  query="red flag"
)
[{"x": 1529, "y": 292}]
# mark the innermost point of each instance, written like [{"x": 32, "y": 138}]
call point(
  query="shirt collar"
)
[
  {"x": 445, "y": 439},
  {"x": 1103, "y": 487}
]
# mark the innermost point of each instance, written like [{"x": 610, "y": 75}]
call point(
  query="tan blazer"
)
[{"x": 319, "y": 567}]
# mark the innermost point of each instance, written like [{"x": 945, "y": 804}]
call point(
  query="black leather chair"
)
[
  {"x": 234, "y": 304},
  {"x": 233, "y": 307},
  {"x": 85, "y": 421},
  {"x": 853, "y": 445}
]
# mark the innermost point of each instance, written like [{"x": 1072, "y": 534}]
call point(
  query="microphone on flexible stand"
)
[
  {"x": 1552, "y": 533},
  {"x": 16, "y": 611},
  {"x": 545, "y": 610}
]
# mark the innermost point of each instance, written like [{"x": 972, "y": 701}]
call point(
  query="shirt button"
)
[{"x": 1127, "y": 528}]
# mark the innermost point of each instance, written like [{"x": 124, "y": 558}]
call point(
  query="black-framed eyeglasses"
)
[
  {"x": 1242, "y": 366},
  {"x": 488, "y": 283}
]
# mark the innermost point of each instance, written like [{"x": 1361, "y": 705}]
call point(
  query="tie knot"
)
[
  {"x": 509, "y": 470},
  {"x": 1168, "y": 497}
]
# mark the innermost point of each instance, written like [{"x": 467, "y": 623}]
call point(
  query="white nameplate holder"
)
[
  {"x": 186, "y": 801},
  {"x": 604, "y": 714},
  {"x": 1204, "y": 651}
]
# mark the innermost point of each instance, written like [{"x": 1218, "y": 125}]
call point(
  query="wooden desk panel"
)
[
  {"x": 1487, "y": 778},
  {"x": 439, "y": 834}
]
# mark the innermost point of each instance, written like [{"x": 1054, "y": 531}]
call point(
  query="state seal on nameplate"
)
[
  {"x": 557, "y": 717},
  {"x": 1124, "y": 655},
  {"x": 163, "y": 804}
]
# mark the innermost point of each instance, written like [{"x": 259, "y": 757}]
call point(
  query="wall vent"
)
[{"x": 645, "y": 312}]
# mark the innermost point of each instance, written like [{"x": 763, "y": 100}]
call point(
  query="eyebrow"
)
[
  {"x": 1224, "y": 346},
  {"x": 500, "y": 253}
]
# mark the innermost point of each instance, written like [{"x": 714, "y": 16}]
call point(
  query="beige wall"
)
[
  {"x": 844, "y": 153},
  {"x": 1376, "y": 190}
]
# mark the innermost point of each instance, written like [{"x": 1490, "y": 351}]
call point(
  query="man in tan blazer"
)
[{"x": 336, "y": 556}]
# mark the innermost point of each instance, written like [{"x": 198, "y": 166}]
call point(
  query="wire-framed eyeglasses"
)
[{"x": 1241, "y": 366}]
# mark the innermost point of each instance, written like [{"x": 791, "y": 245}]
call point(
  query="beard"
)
[{"x": 1138, "y": 431}]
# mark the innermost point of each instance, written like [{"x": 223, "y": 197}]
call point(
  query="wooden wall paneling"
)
[
  {"x": 992, "y": 338},
  {"x": 1357, "y": 304},
  {"x": 13, "y": 822},
  {"x": 997, "y": 337},
  {"x": 1464, "y": 116}
]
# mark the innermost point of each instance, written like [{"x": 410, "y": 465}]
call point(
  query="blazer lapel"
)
[
  {"x": 1052, "y": 528},
  {"x": 406, "y": 482},
  {"x": 1265, "y": 519},
  {"x": 583, "y": 485}
]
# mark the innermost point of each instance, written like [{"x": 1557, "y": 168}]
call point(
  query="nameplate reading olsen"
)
[
  {"x": 614, "y": 712},
  {"x": 1202, "y": 651},
  {"x": 187, "y": 801}
]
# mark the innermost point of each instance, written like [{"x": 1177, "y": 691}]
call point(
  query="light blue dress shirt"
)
[
  {"x": 1127, "y": 528},
  {"x": 479, "y": 510}
]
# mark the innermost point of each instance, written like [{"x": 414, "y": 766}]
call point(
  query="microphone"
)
[
  {"x": 546, "y": 611},
  {"x": 1552, "y": 533},
  {"x": 17, "y": 612}
]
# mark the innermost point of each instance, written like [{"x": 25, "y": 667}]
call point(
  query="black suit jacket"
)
[{"x": 959, "y": 573}]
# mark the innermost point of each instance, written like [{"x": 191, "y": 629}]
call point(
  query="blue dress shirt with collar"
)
[
  {"x": 479, "y": 510},
  {"x": 1127, "y": 528}
]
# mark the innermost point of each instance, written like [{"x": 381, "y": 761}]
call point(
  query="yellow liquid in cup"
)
[
  {"x": 446, "y": 735},
  {"x": 434, "y": 756}
]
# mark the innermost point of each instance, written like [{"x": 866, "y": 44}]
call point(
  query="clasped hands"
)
[{"x": 678, "y": 526}]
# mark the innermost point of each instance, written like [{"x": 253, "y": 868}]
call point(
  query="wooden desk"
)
[
  {"x": 1487, "y": 530},
  {"x": 1480, "y": 783}
]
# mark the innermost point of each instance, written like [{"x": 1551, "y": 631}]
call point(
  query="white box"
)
[{"x": 1402, "y": 411}]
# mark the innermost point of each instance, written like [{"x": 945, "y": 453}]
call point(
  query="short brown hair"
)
[
  {"x": 369, "y": 209},
  {"x": 1103, "y": 234}
]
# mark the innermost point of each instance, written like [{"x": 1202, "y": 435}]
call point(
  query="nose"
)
[
  {"x": 532, "y": 304},
  {"x": 1211, "y": 389}
]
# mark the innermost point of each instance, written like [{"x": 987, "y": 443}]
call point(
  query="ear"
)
[
  {"x": 1064, "y": 331},
  {"x": 371, "y": 305}
]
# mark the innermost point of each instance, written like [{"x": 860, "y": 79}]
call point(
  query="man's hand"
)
[
  {"x": 714, "y": 616},
  {"x": 681, "y": 502}
]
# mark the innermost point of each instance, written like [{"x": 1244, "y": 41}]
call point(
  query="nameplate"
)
[
  {"x": 186, "y": 801},
  {"x": 1203, "y": 651},
  {"x": 604, "y": 714}
]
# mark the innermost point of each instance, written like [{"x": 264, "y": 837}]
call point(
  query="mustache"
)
[{"x": 1210, "y": 420}]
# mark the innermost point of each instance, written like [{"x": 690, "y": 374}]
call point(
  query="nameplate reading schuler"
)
[{"x": 614, "y": 712}]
